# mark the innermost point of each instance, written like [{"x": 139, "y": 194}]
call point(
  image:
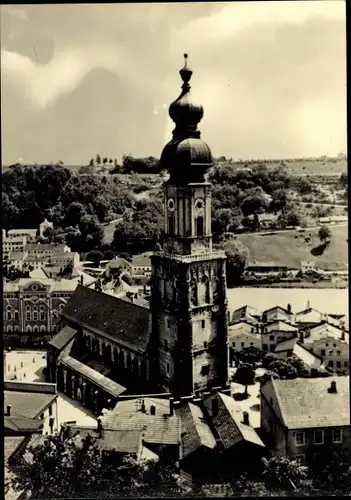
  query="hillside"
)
[{"x": 290, "y": 248}]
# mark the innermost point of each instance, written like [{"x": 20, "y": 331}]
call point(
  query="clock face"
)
[
  {"x": 199, "y": 204},
  {"x": 171, "y": 204}
]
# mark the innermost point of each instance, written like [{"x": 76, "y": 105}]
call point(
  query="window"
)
[
  {"x": 338, "y": 364},
  {"x": 35, "y": 315},
  {"x": 50, "y": 410},
  {"x": 42, "y": 315},
  {"x": 337, "y": 435},
  {"x": 338, "y": 353},
  {"x": 331, "y": 362},
  {"x": 318, "y": 437},
  {"x": 265, "y": 347},
  {"x": 300, "y": 459},
  {"x": 242, "y": 344},
  {"x": 203, "y": 323},
  {"x": 205, "y": 345},
  {"x": 171, "y": 226},
  {"x": 322, "y": 352},
  {"x": 233, "y": 344},
  {"x": 346, "y": 364},
  {"x": 334, "y": 345},
  {"x": 205, "y": 369},
  {"x": 167, "y": 367},
  {"x": 28, "y": 314},
  {"x": 271, "y": 337},
  {"x": 199, "y": 226},
  {"x": 9, "y": 316},
  {"x": 168, "y": 323},
  {"x": 251, "y": 343},
  {"x": 299, "y": 438}
]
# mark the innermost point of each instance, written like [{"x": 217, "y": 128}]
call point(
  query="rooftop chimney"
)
[
  {"x": 214, "y": 407},
  {"x": 301, "y": 337},
  {"x": 152, "y": 410},
  {"x": 143, "y": 408},
  {"x": 246, "y": 420},
  {"x": 8, "y": 412},
  {"x": 99, "y": 424},
  {"x": 343, "y": 335},
  {"x": 332, "y": 389},
  {"x": 81, "y": 280},
  {"x": 171, "y": 407}
]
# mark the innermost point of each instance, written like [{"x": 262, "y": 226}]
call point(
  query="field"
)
[
  {"x": 290, "y": 248},
  {"x": 305, "y": 167}
]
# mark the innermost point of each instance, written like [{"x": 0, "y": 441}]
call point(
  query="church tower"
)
[{"x": 189, "y": 348}]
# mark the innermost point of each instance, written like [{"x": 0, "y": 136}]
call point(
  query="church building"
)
[{"x": 178, "y": 345}]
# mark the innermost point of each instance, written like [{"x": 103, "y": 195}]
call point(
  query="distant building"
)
[
  {"x": 13, "y": 244},
  {"x": 266, "y": 268},
  {"x": 246, "y": 313},
  {"x": 275, "y": 332},
  {"x": 309, "y": 317},
  {"x": 17, "y": 260},
  {"x": 242, "y": 335},
  {"x": 307, "y": 419},
  {"x": 45, "y": 250},
  {"x": 43, "y": 226},
  {"x": 277, "y": 313},
  {"x": 141, "y": 266},
  {"x": 33, "y": 306},
  {"x": 313, "y": 363},
  {"x": 333, "y": 219},
  {"x": 30, "y": 234}
]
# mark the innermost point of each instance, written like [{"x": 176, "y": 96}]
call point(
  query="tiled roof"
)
[
  {"x": 157, "y": 429},
  {"x": 194, "y": 430},
  {"x": 139, "y": 301},
  {"x": 286, "y": 345},
  {"x": 125, "y": 322},
  {"x": 281, "y": 326},
  {"x": 11, "y": 444},
  {"x": 46, "y": 246},
  {"x": 306, "y": 402},
  {"x": 63, "y": 337},
  {"x": 23, "y": 424},
  {"x": 228, "y": 423},
  {"x": 131, "y": 405},
  {"x": 32, "y": 232},
  {"x": 309, "y": 315},
  {"x": 141, "y": 260},
  {"x": 105, "y": 383},
  {"x": 27, "y": 404},
  {"x": 118, "y": 262},
  {"x": 279, "y": 308}
]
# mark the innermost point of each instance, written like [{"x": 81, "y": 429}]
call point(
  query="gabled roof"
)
[
  {"x": 195, "y": 432},
  {"x": 24, "y": 425},
  {"x": 281, "y": 326},
  {"x": 128, "y": 406},
  {"x": 157, "y": 429},
  {"x": 228, "y": 423},
  {"x": 11, "y": 445},
  {"x": 105, "y": 383},
  {"x": 309, "y": 315},
  {"x": 124, "y": 322},
  {"x": 286, "y": 345},
  {"x": 121, "y": 441},
  {"x": 63, "y": 337},
  {"x": 27, "y": 404},
  {"x": 280, "y": 308},
  {"x": 306, "y": 402},
  {"x": 141, "y": 260}
]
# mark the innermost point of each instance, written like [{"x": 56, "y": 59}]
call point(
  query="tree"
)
[
  {"x": 91, "y": 162},
  {"x": 324, "y": 234},
  {"x": 109, "y": 255},
  {"x": 250, "y": 354},
  {"x": 279, "y": 200},
  {"x": 237, "y": 256},
  {"x": 95, "y": 256},
  {"x": 74, "y": 213},
  {"x": 282, "y": 471},
  {"x": 68, "y": 466},
  {"x": 245, "y": 376},
  {"x": 50, "y": 234},
  {"x": 98, "y": 159}
]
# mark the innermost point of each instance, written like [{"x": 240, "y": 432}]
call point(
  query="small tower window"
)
[
  {"x": 167, "y": 367},
  {"x": 203, "y": 323},
  {"x": 199, "y": 226},
  {"x": 171, "y": 226}
]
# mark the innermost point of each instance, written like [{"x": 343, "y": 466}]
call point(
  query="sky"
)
[{"x": 77, "y": 80}]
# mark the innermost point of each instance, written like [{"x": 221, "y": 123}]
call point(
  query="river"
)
[{"x": 329, "y": 300}]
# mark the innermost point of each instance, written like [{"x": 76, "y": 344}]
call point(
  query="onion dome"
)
[{"x": 186, "y": 156}]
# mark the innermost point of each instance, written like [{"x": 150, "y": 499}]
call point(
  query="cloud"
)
[{"x": 271, "y": 75}]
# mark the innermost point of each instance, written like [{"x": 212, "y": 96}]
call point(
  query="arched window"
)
[
  {"x": 42, "y": 328},
  {"x": 61, "y": 306},
  {"x": 204, "y": 290},
  {"x": 171, "y": 226},
  {"x": 16, "y": 316},
  {"x": 17, "y": 328},
  {"x": 28, "y": 314},
  {"x": 42, "y": 313},
  {"x": 35, "y": 314},
  {"x": 35, "y": 328},
  {"x": 121, "y": 359},
  {"x": 199, "y": 226},
  {"x": 115, "y": 355},
  {"x": 9, "y": 328},
  {"x": 28, "y": 328},
  {"x": 9, "y": 313}
]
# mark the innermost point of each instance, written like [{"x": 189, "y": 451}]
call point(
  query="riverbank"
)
[{"x": 298, "y": 284}]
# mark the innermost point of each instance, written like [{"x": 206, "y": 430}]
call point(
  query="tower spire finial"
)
[
  {"x": 185, "y": 60},
  {"x": 185, "y": 74}
]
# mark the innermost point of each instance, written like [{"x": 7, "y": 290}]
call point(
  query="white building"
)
[
  {"x": 13, "y": 244},
  {"x": 30, "y": 234}
]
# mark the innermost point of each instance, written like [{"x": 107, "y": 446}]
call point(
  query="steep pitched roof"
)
[
  {"x": 124, "y": 322},
  {"x": 23, "y": 424},
  {"x": 281, "y": 326},
  {"x": 27, "y": 404},
  {"x": 228, "y": 423},
  {"x": 162, "y": 429},
  {"x": 306, "y": 403},
  {"x": 105, "y": 383},
  {"x": 63, "y": 337},
  {"x": 195, "y": 432}
]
